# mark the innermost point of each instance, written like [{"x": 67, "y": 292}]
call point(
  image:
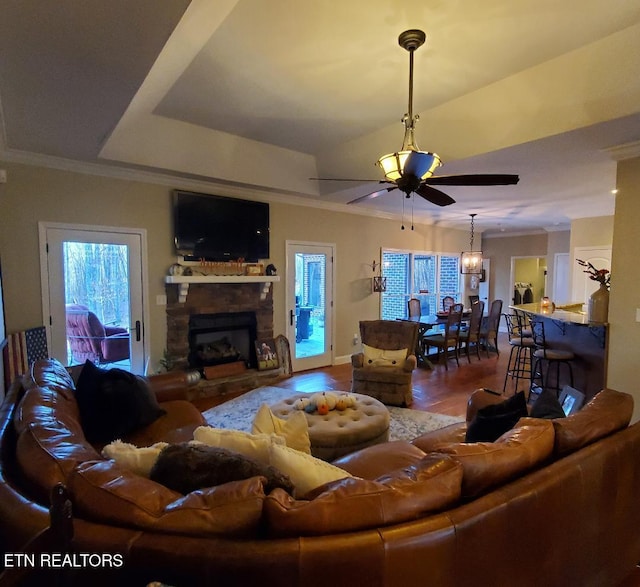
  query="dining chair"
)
[
  {"x": 471, "y": 335},
  {"x": 457, "y": 307},
  {"x": 447, "y": 341},
  {"x": 490, "y": 327},
  {"x": 414, "y": 307},
  {"x": 447, "y": 302},
  {"x": 473, "y": 300}
]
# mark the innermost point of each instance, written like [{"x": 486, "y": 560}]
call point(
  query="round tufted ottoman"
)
[{"x": 341, "y": 432}]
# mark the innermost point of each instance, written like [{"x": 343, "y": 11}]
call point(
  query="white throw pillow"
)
[
  {"x": 294, "y": 429},
  {"x": 253, "y": 446},
  {"x": 130, "y": 457},
  {"x": 305, "y": 471},
  {"x": 382, "y": 357}
]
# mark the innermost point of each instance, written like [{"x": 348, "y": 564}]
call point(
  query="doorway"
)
[
  {"x": 310, "y": 304},
  {"x": 528, "y": 279},
  {"x": 93, "y": 287}
]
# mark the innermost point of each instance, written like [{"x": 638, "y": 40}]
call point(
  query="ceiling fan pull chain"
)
[
  {"x": 402, "y": 214},
  {"x": 412, "y": 199}
]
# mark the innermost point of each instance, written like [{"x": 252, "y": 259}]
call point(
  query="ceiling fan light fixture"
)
[{"x": 394, "y": 164}]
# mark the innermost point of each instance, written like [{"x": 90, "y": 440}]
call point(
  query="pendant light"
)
[{"x": 471, "y": 261}]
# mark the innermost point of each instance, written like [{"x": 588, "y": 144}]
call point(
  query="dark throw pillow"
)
[
  {"x": 491, "y": 422},
  {"x": 114, "y": 403},
  {"x": 186, "y": 467},
  {"x": 547, "y": 406}
]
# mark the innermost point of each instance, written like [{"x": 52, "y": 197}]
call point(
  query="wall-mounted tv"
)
[{"x": 216, "y": 228}]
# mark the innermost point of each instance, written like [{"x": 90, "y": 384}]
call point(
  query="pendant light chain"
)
[{"x": 471, "y": 239}]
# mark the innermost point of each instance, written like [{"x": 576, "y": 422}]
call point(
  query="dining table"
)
[{"x": 427, "y": 322}]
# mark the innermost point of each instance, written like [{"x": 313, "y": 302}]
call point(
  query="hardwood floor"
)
[{"x": 434, "y": 390}]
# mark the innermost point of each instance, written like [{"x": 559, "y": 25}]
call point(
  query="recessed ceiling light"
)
[{"x": 614, "y": 191}]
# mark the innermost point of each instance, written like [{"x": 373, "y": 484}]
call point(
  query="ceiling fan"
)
[{"x": 411, "y": 170}]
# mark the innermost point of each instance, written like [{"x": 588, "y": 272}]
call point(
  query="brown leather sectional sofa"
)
[{"x": 552, "y": 502}]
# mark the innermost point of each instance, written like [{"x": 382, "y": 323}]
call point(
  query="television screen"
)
[{"x": 216, "y": 228}]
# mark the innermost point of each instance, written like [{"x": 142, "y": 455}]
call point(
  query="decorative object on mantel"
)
[
  {"x": 254, "y": 269},
  {"x": 598, "y": 303},
  {"x": 271, "y": 269}
]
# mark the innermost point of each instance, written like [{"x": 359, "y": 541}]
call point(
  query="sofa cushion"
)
[
  {"x": 606, "y": 413},
  {"x": 493, "y": 421},
  {"x": 376, "y": 460},
  {"x": 104, "y": 492},
  {"x": 113, "y": 403},
  {"x": 431, "y": 441},
  {"x": 48, "y": 452},
  {"x": 186, "y": 467},
  {"x": 294, "y": 428},
  {"x": 487, "y": 464},
  {"x": 305, "y": 471},
  {"x": 351, "y": 504},
  {"x": 47, "y": 405},
  {"x": 254, "y": 446},
  {"x": 547, "y": 406}
]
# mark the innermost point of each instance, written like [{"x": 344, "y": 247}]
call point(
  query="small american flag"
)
[{"x": 22, "y": 349}]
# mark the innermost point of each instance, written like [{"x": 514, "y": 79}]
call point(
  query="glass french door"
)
[
  {"x": 93, "y": 294},
  {"x": 310, "y": 304}
]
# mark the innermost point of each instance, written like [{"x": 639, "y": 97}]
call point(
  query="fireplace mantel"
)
[{"x": 183, "y": 282}]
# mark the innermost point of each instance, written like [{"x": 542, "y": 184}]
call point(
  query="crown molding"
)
[{"x": 625, "y": 151}]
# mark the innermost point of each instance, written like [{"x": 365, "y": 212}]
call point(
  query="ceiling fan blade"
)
[
  {"x": 372, "y": 195},
  {"x": 418, "y": 163},
  {"x": 474, "y": 179},
  {"x": 434, "y": 196},
  {"x": 341, "y": 179}
]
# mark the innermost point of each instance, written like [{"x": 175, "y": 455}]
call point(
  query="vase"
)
[{"x": 598, "y": 307}]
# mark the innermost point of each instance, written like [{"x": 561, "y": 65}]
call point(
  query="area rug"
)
[{"x": 238, "y": 414}]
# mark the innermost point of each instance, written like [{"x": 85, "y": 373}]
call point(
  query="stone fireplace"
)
[{"x": 208, "y": 313}]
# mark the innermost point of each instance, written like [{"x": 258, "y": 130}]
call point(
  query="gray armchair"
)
[{"x": 388, "y": 378}]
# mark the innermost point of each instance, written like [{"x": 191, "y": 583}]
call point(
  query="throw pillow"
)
[
  {"x": 113, "y": 403},
  {"x": 491, "y": 422},
  {"x": 187, "y": 467},
  {"x": 547, "y": 406},
  {"x": 253, "y": 446},
  {"x": 132, "y": 458},
  {"x": 294, "y": 430},
  {"x": 305, "y": 471},
  {"x": 382, "y": 357}
]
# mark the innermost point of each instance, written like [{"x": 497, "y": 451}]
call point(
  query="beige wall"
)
[
  {"x": 35, "y": 194},
  {"x": 624, "y": 337}
]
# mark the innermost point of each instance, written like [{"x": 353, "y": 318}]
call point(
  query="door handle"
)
[
  {"x": 138, "y": 330},
  {"x": 292, "y": 317}
]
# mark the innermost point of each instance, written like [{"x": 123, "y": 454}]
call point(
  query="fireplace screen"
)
[{"x": 215, "y": 339}]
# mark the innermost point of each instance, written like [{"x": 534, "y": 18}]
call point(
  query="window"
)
[{"x": 428, "y": 277}]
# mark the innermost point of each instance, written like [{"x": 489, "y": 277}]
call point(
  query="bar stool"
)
[
  {"x": 551, "y": 356},
  {"x": 519, "y": 365}
]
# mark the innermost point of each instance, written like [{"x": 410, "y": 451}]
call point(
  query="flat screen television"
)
[{"x": 216, "y": 228}]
